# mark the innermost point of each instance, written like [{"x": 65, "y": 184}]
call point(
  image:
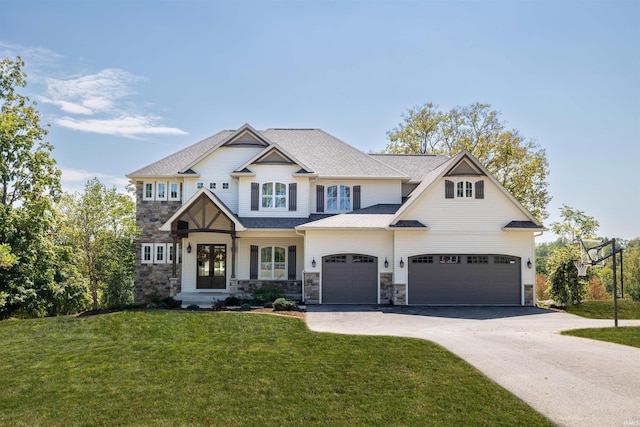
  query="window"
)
[
  {"x": 212, "y": 186},
  {"x": 501, "y": 259},
  {"x": 147, "y": 251},
  {"x": 147, "y": 193},
  {"x": 199, "y": 185},
  {"x": 464, "y": 189},
  {"x": 161, "y": 191},
  {"x": 335, "y": 259},
  {"x": 160, "y": 253},
  {"x": 225, "y": 185},
  {"x": 170, "y": 252},
  {"x": 425, "y": 259},
  {"x": 338, "y": 198},
  {"x": 449, "y": 259},
  {"x": 273, "y": 263},
  {"x": 478, "y": 259},
  {"x": 274, "y": 195},
  {"x": 174, "y": 191}
]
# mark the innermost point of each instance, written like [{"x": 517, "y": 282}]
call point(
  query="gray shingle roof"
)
[
  {"x": 279, "y": 223},
  {"x": 416, "y": 166},
  {"x": 527, "y": 225},
  {"x": 325, "y": 154}
]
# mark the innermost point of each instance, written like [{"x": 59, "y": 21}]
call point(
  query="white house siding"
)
[
  {"x": 274, "y": 173},
  {"x": 268, "y": 238},
  {"x": 216, "y": 168},
  {"x": 319, "y": 243},
  {"x": 372, "y": 191}
]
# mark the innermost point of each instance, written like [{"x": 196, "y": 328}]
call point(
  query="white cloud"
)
[
  {"x": 73, "y": 180},
  {"x": 127, "y": 126},
  {"x": 34, "y": 57}
]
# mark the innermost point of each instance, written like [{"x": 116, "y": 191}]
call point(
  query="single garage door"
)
[
  {"x": 464, "y": 279},
  {"x": 349, "y": 279}
]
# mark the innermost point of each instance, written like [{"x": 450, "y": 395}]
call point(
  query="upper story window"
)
[
  {"x": 274, "y": 195},
  {"x": 199, "y": 185},
  {"x": 464, "y": 189},
  {"x": 174, "y": 191},
  {"x": 225, "y": 185},
  {"x": 160, "y": 190},
  {"x": 212, "y": 186},
  {"x": 338, "y": 198},
  {"x": 148, "y": 192}
]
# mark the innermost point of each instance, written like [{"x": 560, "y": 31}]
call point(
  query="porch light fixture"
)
[
  {"x": 189, "y": 248},
  {"x": 529, "y": 264},
  {"x": 386, "y": 262},
  {"x": 313, "y": 262},
  {"x": 401, "y": 263}
]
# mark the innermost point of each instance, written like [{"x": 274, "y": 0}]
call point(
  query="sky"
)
[{"x": 125, "y": 83}]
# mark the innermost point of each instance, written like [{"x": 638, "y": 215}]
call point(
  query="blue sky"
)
[{"x": 125, "y": 83}]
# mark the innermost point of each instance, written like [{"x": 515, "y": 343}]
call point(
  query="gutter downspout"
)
[{"x": 305, "y": 259}]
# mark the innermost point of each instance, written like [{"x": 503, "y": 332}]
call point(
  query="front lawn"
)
[
  {"x": 627, "y": 309},
  {"x": 628, "y": 335},
  {"x": 235, "y": 369}
]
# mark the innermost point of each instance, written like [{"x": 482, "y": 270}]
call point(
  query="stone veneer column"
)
[
  {"x": 312, "y": 288},
  {"x": 400, "y": 294},
  {"x": 386, "y": 288}
]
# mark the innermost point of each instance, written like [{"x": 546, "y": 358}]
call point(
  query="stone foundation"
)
[
  {"x": 528, "y": 295},
  {"x": 243, "y": 289},
  {"x": 312, "y": 288}
]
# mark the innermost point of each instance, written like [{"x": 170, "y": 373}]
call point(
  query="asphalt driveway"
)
[{"x": 572, "y": 381}]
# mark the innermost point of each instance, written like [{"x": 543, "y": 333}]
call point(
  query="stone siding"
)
[
  {"x": 528, "y": 295},
  {"x": 151, "y": 281},
  {"x": 312, "y": 288},
  {"x": 400, "y": 294},
  {"x": 386, "y": 288},
  {"x": 243, "y": 289}
]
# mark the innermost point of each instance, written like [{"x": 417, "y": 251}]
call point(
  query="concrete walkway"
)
[{"x": 572, "y": 381}]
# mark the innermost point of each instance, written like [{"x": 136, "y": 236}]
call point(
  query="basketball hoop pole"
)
[{"x": 613, "y": 254}]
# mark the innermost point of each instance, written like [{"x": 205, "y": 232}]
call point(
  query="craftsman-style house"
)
[{"x": 330, "y": 223}]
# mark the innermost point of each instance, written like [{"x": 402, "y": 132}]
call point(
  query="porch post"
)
[
  {"x": 174, "y": 268},
  {"x": 233, "y": 254}
]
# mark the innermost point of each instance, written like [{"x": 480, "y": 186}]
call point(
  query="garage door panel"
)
[
  {"x": 468, "y": 279},
  {"x": 349, "y": 279}
]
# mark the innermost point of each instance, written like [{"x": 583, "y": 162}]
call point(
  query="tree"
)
[
  {"x": 520, "y": 165},
  {"x": 100, "y": 225},
  {"x": 566, "y": 287},
  {"x": 29, "y": 185},
  {"x": 575, "y": 224}
]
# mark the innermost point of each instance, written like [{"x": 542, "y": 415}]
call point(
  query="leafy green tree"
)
[
  {"x": 575, "y": 224},
  {"x": 565, "y": 286},
  {"x": 100, "y": 225},
  {"x": 29, "y": 185},
  {"x": 519, "y": 164}
]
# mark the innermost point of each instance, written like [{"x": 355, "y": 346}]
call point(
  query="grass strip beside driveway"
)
[
  {"x": 627, "y": 309},
  {"x": 184, "y": 368},
  {"x": 628, "y": 335}
]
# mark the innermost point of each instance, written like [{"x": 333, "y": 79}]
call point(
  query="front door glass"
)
[{"x": 211, "y": 264}]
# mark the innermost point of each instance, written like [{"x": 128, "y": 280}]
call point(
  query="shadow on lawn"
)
[{"x": 453, "y": 312}]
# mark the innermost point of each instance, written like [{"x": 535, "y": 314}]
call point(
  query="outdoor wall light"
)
[
  {"x": 189, "y": 248},
  {"x": 529, "y": 264},
  {"x": 313, "y": 262},
  {"x": 401, "y": 263},
  {"x": 386, "y": 263}
]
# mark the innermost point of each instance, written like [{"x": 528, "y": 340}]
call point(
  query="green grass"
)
[
  {"x": 628, "y": 335},
  {"x": 235, "y": 369},
  {"x": 627, "y": 309}
]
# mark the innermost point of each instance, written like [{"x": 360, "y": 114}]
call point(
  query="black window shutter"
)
[
  {"x": 479, "y": 189},
  {"x": 255, "y": 196},
  {"x": 292, "y": 263},
  {"x": 448, "y": 189},
  {"x": 253, "y": 267},
  {"x": 319, "y": 198},
  {"x": 293, "y": 197},
  {"x": 356, "y": 197}
]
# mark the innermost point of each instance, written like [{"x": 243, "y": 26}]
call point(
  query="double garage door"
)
[
  {"x": 464, "y": 279},
  {"x": 433, "y": 279}
]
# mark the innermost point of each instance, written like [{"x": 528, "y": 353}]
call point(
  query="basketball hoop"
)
[{"x": 582, "y": 267}]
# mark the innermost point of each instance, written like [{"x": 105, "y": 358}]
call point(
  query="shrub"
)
[
  {"x": 246, "y": 306},
  {"x": 283, "y": 304},
  {"x": 229, "y": 301},
  {"x": 268, "y": 292},
  {"x": 169, "y": 302},
  {"x": 193, "y": 307}
]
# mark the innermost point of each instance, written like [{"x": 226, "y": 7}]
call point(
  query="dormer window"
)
[
  {"x": 464, "y": 189},
  {"x": 274, "y": 195}
]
